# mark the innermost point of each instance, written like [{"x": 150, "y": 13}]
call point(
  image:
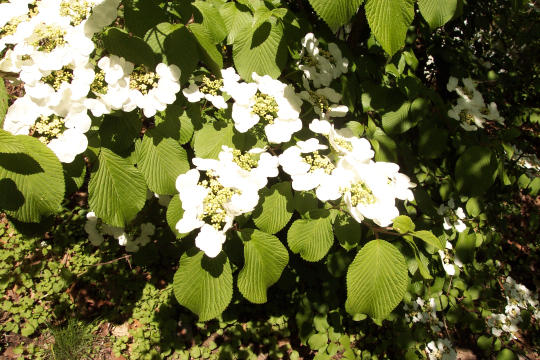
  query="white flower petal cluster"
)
[
  {"x": 423, "y": 312},
  {"x": 209, "y": 90},
  {"x": 453, "y": 218},
  {"x": 368, "y": 189},
  {"x": 471, "y": 110},
  {"x": 321, "y": 66},
  {"x": 95, "y": 237},
  {"x": 230, "y": 189},
  {"x": 266, "y": 100},
  {"x": 441, "y": 349},
  {"x": 518, "y": 298},
  {"x": 446, "y": 257},
  {"x": 325, "y": 101},
  {"x": 48, "y": 43}
]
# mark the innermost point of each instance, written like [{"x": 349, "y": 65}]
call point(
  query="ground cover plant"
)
[{"x": 299, "y": 179}]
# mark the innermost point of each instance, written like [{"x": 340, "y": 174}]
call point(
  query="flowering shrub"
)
[{"x": 267, "y": 130}]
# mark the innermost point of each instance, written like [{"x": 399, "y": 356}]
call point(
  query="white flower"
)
[
  {"x": 441, "y": 350},
  {"x": 446, "y": 258},
  {"x": 325, "y": 101},
  {"x": 210, "y": 240},
  {"x": 91, "y": 229},
  {"x": 207, "y": 90},
  {"x": 269, "y": 100},
  {"x": 150, "y": 95},
  {"x": 452, "y": 218}
]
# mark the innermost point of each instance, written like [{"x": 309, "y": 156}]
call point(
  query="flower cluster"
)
[
  {"x": 49, "y": 44},
  {"x": 471, "y": 110},
  {"x": 447, "y": 255},
  {"x": 452, "y": 217},
  {"x": 228, "y": 188},
  {"x": 321, "y": 66},
  {"x": 96, "y": 232},
  {"x": 423, "y": 313},
  {"x": 518, "y": 298},
  {"x": 442, "y": 349},
  {"x": 368, "y": 189}
]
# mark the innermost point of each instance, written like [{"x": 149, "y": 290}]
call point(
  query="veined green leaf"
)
[
  {"x": 437, "y": 12},
  {"x": 265, "y": 258},
  {"x": 389, "y": 21},
  {"x": 203, "y": 285},
  {"x": 311, "y": 238},
  {"x": 117, "y": 191},
  {"x": 275, "y": 208},
  {"x": 31, "y": 181},
  {"x": 336, "y": 12},
  {"x": 376, "y": 280}
]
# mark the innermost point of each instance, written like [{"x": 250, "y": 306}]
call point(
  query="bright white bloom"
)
[
  {"x": 325, "y": 101},
  {"x": 229, "y": 190},
  {"x": 452, "y": 218},
  {"x": 153, "y": 91},
  {"x": 241, "y": 170},
  {"x": 269, "y": 100},
  {"x": 209, "y": 90},
  {"x": 91, "y": 229},
  {"x": 321, "y": 66},
  {"x": 447, "y": 257},
  {"x": 442, "y": 349},
  {"x": 471, "y": 110}
]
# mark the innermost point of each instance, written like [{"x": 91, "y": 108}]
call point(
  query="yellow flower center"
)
[
  {"x": 99, "y": 85},
  {"x": 265, "y": 106},
  {"x": 142, "y": 80},
  {"x": 48, "y": 37},
  {"x": 78, "y": 11},
  {"x": 317, "y": 161},
  {"x": 320, "y": 101},
  {"x": 214, "y": 211},
  {"x": 466, "y": 117},
  {"x": 210, "y": 86},
  {"x": 246, "y": 161},
  {"x": 47, "y": 128},
  {"x": 57, "y": 77},
  {"x": 361, "y": 194}
]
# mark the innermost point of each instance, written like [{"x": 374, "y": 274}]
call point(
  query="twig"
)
[{"x": 126, "y": 257}]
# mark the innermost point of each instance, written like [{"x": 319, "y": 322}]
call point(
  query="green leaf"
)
[
  {"x": 130, "y": 47},
  {"x": 466, "y": 246},
  {"x": 174, "y": 214},
  {"x": 432, "y": 141},
  {"x": 403, "y": 224},
  {"x": 182, "y": 50},
  {"x": 155, "y": 36},
  {"x": 207, "y": 141},
  {"x": 235, "y": 17},
  {"x": 389, "y": 21},
  {"x": 74, "y": 172},
  {"x": 31, "y": 181},
  {"x": 397, "y": 122},
  {"x": 275, "y": 208},
  {"x": 336, "y": 12},
  {"x": 161, "y": 160},
  {"x": 474, "y": 207},
  {"x": 203, "y": 285},
  {"x": 262, "y": 51},
  {"x": 141, "y": 15},
  {"x": 117, "y": 191},
  {"x": 476, "y": 170},
  {"x": 348, "y": 231},
  {"x": 211, "y": 20},
  {"x": 10, "y": 143},
  {"x": 428, "y": 237},
  {"x": 437, "y": 12},
  {"x": 210, "y": 52},
  {"x": 311, "y": 238},
  {"x": 3, "y": 102},
  {"x": 317, "y": 341},
  {"x": 265, "y": 258},
  {"x": 377, "y": 280},
  {"x": 421, "y": 261}
]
